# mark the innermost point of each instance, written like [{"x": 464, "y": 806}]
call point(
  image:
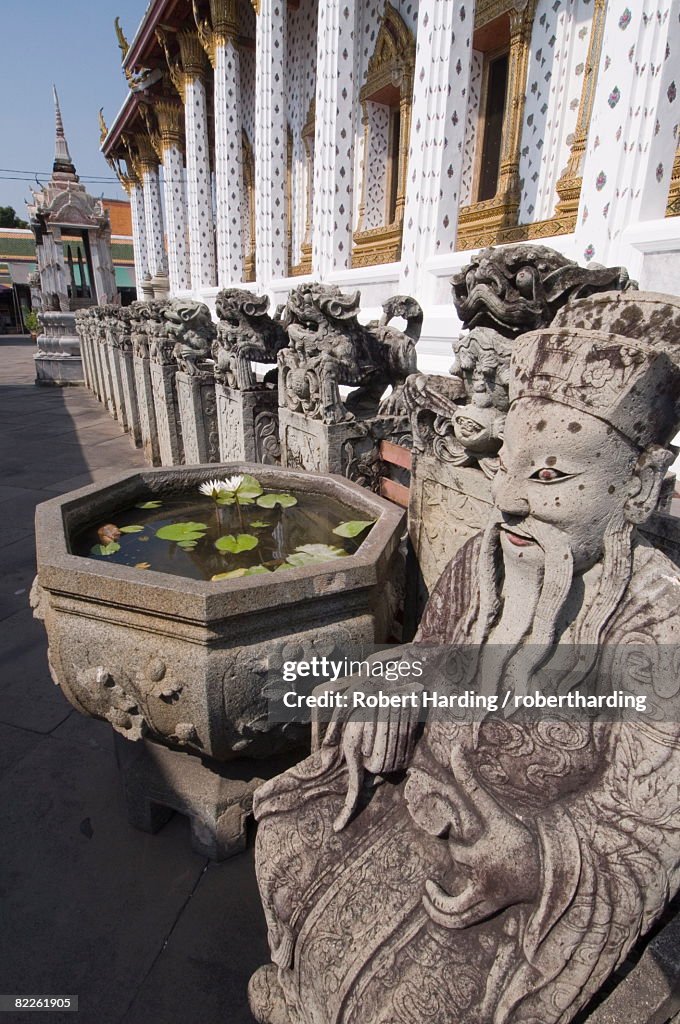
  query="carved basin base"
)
[
  {"x": 159, "y": 781},
  {"x": 188, "y": 665}
]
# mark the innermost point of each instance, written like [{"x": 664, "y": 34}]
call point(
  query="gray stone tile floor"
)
[{"x": 143, "y": 930}]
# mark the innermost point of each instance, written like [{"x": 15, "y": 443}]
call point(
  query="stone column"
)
[
  {"x": 144, "y": 394},
  {"x": 199, "y": 190},
  {"x": 136, "y": 194},
  {"x": 270, "y": 142},
  {"x": 219, "y": 36},
  {"x": 170, "y": 116},
  {"x": 334, "y": 131},
  {"x": 197, "y": 415},
  {"x": 163, "y": 367},
  {"x": 440, "y": 93},
  {"x": 632, "y": 139},
  {"x": 187, "y": 72},
  {"x": 153, "y": 211}
]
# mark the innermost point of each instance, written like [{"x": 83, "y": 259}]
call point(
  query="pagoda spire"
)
[{"x": 62, "y": 158}]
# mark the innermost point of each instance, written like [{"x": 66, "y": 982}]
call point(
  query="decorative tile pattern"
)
[
  {"x": 471, "y": 120},
  {"x": 559, "y": 48},
  {"x": 228, "y": 164},
  {"x": 199, "y": 187},
  {"x": 300, "y": 90},
  {"x": 138, "y": 236},
  {"x": 440, "y": 96},
  {"x": 153, "y": 214},
  {"x": 174, "y": 194},
  {"x": 632, "y": 143},
  {"x": 378, "y": 141},
  {"x": 334, "y": 138},
  {"x": 271, "y": 142}
]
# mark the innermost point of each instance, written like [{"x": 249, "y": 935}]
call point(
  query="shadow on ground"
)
[{"x": 143, "y": 930}]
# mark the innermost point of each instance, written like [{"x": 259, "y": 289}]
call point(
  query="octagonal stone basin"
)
[{"x": 184, "y": 662}]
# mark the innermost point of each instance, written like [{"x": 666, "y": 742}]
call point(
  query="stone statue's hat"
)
[{"x": 614, "y": 355}]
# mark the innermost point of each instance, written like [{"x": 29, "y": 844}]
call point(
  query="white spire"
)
[{"x": 62, "y": 157}]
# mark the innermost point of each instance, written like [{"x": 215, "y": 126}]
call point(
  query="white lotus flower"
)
[
  {"x": 232, "y": 483},
  {"x": 213, "y": 488}
]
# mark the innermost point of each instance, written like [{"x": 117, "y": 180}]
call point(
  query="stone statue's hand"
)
[
  {"x": 501, "y": 862},
  {"x": 378, "y": 742}
]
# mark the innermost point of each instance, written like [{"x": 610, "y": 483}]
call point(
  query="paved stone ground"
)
[{"x": 140, "y": 928}]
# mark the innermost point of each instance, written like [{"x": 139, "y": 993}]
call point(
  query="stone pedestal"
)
[
  {"x": 197, "y": 415},
  {"x": 129, "y": 395},
  {"x": 117, "y": 409},
  {"x": 167, "y": 414},
  {"x": 98, "y": 354},
  {"x": 448, "y": 505},
  {"x": 248, "y": 425},
  {"x": 145, "y": 406},
  {"x": 58, "y": 359},
  {"x": 316, "y": 446},
  {"x": 158, "y": 780}
]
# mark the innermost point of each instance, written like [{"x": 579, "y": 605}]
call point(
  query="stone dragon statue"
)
[
  {"x": 245, "y": 332},
  {"x": 191, "y": 327},
  {"x": 328, "y": 347},
  {"x": 500, "y": 294}
]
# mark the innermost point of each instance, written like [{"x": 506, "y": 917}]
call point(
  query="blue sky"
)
[{"x": 73, "y": 44}]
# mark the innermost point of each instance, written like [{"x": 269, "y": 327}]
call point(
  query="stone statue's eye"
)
[{"x": 547, "y": 475}]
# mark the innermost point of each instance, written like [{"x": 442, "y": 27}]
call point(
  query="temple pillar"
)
[
  {"x": 136, "y": 194},
  {"x": 270, "y": 142},
  {"x": 187, "y": 73},
  {"x": 153, "y": 211},
  {"x": 440, "y": 93},
  {"x": 334, "y": 132},
  {"x": 219, "y": 36},
  {"x": 632, "y": 138},
  {"x": 170, "y": 117}
]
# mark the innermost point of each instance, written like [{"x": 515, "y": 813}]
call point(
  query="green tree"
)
[{"x": 9, "y": 219}]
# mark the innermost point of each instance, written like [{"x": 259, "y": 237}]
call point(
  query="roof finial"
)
[{"x": 62, "y": 157}]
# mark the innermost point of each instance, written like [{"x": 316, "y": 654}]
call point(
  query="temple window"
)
[
  {"x": 493, "y": 42},
  {"x": 386, "y": 104}
]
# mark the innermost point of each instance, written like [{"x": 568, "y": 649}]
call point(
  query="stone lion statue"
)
[
  {"x": 499, "y": 295},
  {"x": 191, "y": 327},
  {"x": 245, "y": 332},
  {"x": 328, "y": 347}
]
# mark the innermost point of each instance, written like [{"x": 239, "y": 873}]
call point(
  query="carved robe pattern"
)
[{"x": 345, "y": 910}]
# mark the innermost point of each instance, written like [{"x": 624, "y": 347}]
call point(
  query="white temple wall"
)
[
  {"x": 471, "y": 120},
  {"x": 559, "y": 47},
  {"x": 247, "y": 58},
  {"x": 300, "y": 90}
]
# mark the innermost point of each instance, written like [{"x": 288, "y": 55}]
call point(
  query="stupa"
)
[{"x": 73, "y": 245}]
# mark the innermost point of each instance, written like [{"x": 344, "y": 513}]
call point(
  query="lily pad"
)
[
  {"x": 149, "y": 504},
  {"x": 182, "y": 532},
  {"x": 311, "y": 554},
  {"x": 234, "y": 545},
  {"x": 244, "y": 493},
  {"x": 105, "y": 549},
  {"x": 248, "y": 489},
  {"x": 235, "y": 574},
  {"x": 131, "y": 529},
  {"x": 353, "y": 527},
  {"x": 259, "y": 524},
  {"x": 271, "y": 500}
]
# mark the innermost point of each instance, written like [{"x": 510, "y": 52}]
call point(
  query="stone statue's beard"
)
[{"x": 538, "y": 638}]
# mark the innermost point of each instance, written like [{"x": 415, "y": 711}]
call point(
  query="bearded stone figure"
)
[{"x": 496, "y": 871}]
